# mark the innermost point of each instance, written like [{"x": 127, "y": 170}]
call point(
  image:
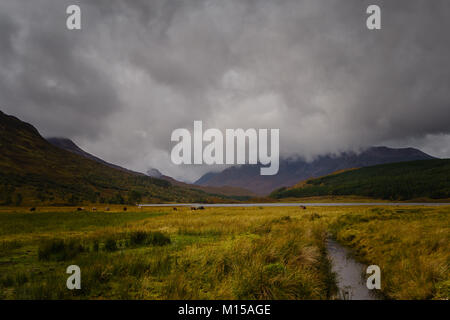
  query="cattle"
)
[
  {"x": 175, "y": 209},
  {"x": 303, "y": 207},
  {"x": 107, "y": 209},
  {"x": 79, "y": 209},
  {"x": 33, "y": 209},
  {"x": 94, "y": 209},
  {"x": 124, "y": 208}
]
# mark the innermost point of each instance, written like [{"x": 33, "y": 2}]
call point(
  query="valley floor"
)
[{"x": 220, "y": 253}]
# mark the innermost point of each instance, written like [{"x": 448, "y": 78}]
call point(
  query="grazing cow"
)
[
  {"x": 94, "y": 209},
  {"x": 201, "y": 208},
  {"x": 193, "y": 208},
  {"x": 303, "y": 207},
  {"x": 107, "y": 209},
  {"x": 33, "y": 209},
  {"x": 175, "y": 209},
  {"x": 79, "y": 209},
  {"x": 124, "y": 208}
]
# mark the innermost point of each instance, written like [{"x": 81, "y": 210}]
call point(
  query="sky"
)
[{"x": 137, "y": 70}]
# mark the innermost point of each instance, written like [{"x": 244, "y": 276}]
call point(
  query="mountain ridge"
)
[
  {"x": 33, "y": 171},
  {"x": 293, "y": 171},
  {"x": 420, "y": 179},
  {"x": 71, "y": 146}
]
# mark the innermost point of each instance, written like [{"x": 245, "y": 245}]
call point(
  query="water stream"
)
[{"x": 350, "y": 281}]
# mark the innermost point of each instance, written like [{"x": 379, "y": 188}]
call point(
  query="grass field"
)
[{"x": 219, "y": 253}]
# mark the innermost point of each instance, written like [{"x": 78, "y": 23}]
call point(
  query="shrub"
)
[
  {"x": 158, "y": 239},
  {"x": 138, "y": 237},
  {"x": 59, "y": 250},
  {"x": 110, "y": 245},
  {"x": 21, "y": 278},
  {"x": 151, "y": 238},
  {"x": 95, "y": 246},
  {"x": 134, "y": 197}
]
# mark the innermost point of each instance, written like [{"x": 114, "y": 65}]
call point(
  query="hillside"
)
[
  {"x": 232, "y": 192},
  {"x": 33, "y": 171},
  {"x": 69, "y": 145},
  {"x": 294, "y": 170},
  {"x": 429, "y": 179}
]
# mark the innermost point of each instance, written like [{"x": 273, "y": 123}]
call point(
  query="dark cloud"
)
[
  {"x": 140, "y": 69},
  {"x": 48, "y": 78}
]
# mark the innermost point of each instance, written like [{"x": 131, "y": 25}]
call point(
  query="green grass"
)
[
  {"x": 16, "y": 223},
  {"x": 153, "y": 254},
  {"x": 220, "y": 253}
]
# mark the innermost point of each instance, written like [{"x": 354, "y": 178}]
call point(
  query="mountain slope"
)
[
  {"x": 33, "y": 171},
  {"x": 396, "y": 181},
  {"x": 69, "y": 145},
  {"x": 292, "y": 171},
  {"x": 233, "y": 192}
]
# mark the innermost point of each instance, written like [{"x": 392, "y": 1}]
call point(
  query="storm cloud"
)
[{"x": 140, "y": 69}]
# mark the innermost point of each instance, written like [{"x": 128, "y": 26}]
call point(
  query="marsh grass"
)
[
  {"x": 59, "y": 250},
  {"x": 7, "y": 247},
  {"x": 411, "y": 246},
  {"x": 222, "y": 253}
]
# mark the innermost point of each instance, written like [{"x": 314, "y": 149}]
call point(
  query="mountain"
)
[
  {"x": 294, "y": 170},
  {"x": 155, "y": 173},
  {"x": 34, "y": 171},
  {"x": 69, "y": 145},
  {"x": 425, "y": 179},
  {"x": 233, "y": 192},
  {"x": 208, "y": 178}
]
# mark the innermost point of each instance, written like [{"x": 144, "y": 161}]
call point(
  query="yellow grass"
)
[{"x": 222, "y": 253}]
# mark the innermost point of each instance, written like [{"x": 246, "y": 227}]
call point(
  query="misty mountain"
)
[
  {"x": 155, "y": 173},
  {"x": 34, "y": 171},
  {"x": 419, "y": 180},
  {"x": 293, "y": 171},
  {"x": 69, "y": 145}
]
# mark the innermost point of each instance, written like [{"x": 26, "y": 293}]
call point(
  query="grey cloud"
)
[
  {"x": 140, "y": 69},
  {"x": 50, "y": 82}
]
